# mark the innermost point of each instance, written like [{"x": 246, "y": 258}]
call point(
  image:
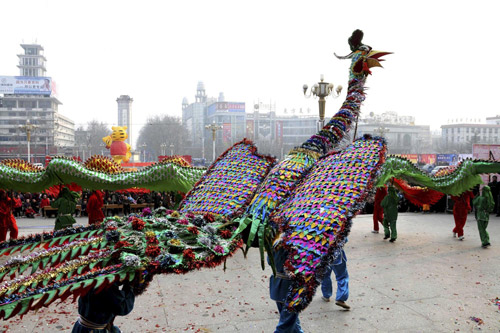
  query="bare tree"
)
[
  {"x": 88, "y": 140},
  {"x": 162, "y": 135}
]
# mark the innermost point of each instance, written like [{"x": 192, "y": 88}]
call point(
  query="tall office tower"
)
[{"x": 125, "y": 114}]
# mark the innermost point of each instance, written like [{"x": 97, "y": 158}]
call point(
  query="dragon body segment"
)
[
  {"x": 464, "y": 177},
  {"x": 161, "y": 176}
]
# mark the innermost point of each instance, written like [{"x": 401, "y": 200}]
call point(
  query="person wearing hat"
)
[
  {"x": 66, "y": 206},
  {"x": 390, "y": 206},
  {"x": 484, "y": 205}
]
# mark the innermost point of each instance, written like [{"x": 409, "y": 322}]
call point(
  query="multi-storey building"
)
[
  {"x": 403, "y": 136},
  {"x": 30, "y": 99},
  {"x": 463, "y": 135}
]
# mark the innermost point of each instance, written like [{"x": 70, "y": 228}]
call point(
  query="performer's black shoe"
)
[
  {"x": 392, "y": 240},
  {"x": 386, "y": 237},
  {"x": 486, "y": 245}
]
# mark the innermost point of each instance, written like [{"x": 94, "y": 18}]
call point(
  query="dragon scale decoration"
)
[{"x": 311, "y": 196}]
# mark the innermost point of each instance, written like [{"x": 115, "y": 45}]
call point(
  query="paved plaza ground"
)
[{"x": 426, "y": 281}]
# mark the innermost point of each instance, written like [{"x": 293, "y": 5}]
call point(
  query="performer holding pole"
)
[
  {"x": 98, "y": 310},
  {"x": 378, "y": 211},
  {"x": 279, "y": 286},
  {"x": 94, "y": 208},
  {"x": 7, "y": 220},
  {"x": 339, "y": 267},
  {"x": 484, "y": 205},
  {"x": 461, "y": 208},
  {"x": 390, "y": 206},
  {"x": 66, "y": 205}
]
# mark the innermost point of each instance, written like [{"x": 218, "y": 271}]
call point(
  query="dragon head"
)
[{"x": 362, "y": 56}]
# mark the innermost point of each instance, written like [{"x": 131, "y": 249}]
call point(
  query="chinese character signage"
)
[
  {"x": 446, "y": 159},
  {"x": 226, "y": 107},
  {"x": 25, "y": 85}
]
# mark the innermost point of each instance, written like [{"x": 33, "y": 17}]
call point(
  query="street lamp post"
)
[
  {"x": 214, "y": 128},
  {"x": 143, "y": 146},
  {"x": 163, "y": 148},
  {"x": 102, "y": 145},
  {"x": 322, "y": 90},
  {"x": 28, "y": 128},
  {"x": 83, "y": 153},
  {"x": 171, "y": 149},
  {"x": 381, "y": 130}
]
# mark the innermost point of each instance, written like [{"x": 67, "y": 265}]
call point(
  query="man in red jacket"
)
[
  {"x": 94, "y": 208},
  {"x": 7, "y": 220},
  {"x": 461, "y": 208}
]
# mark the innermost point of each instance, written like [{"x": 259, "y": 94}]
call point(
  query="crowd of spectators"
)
[{"x": 30, "y": 205}]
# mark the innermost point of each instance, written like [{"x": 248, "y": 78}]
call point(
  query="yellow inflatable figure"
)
[{"x": 119, "y": 150}]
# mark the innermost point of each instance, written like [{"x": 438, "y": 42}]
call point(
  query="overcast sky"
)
[{"x": 445, "y": 62}]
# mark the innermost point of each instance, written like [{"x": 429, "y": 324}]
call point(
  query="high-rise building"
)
[
  {"x": 194, "y": 119},
  {"x": 30, "y": 99},
  {"x": 125, "y": 114}
]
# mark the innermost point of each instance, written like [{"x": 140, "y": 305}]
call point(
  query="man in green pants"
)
[
  {"x": 66, "y": 205},
  {"x": 483, "y": 206},
  {"x": 390, "y": 206}
]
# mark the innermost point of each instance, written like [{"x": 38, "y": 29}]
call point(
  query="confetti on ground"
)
[
  {"x": 479, "y": 321},
  {"x": 496, "y": 301}
]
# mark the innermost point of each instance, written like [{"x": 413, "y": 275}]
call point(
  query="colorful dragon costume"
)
[{"x": 311, "y": 196}]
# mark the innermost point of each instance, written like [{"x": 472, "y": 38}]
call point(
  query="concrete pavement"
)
[{"x": 426, "y": 281}]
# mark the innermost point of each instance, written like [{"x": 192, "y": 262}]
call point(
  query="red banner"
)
[
  {"x": 226, "y": 132},
  {"x": 427, "y": 158}
]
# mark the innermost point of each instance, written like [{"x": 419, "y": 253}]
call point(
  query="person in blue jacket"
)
[
  {"x": 98, "y": 310},
  {"x": 279, "y": 286}
]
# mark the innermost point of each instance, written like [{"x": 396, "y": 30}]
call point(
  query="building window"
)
[
  {"x": 9, "y": 104},
  {"x": 44, "y": 104}
]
